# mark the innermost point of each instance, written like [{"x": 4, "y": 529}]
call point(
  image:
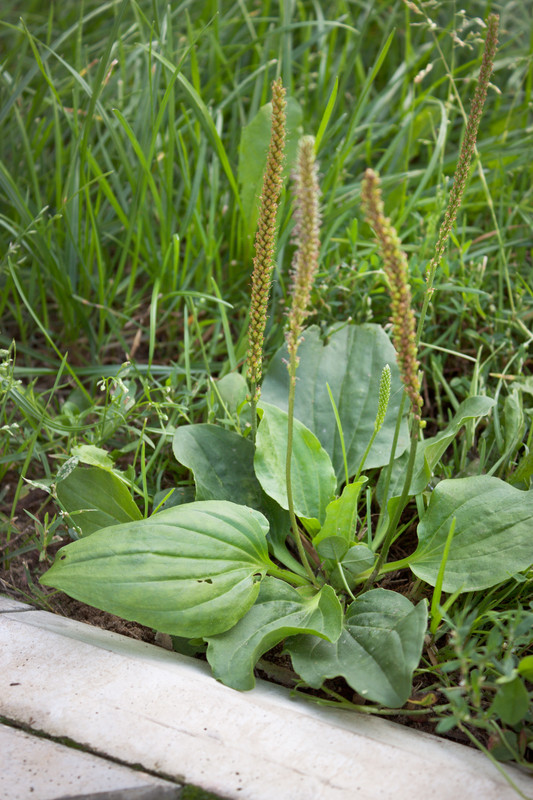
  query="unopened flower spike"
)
[
  {"x": 263, "y": 262},
  {"x": 383, "y": 398},
  {"x": 395, "y": 264},
  {"x": 383, "y": 404}
]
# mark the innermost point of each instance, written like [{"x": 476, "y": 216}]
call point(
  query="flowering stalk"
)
[
  {"x": 304, "y": 267},
  {"x": 383, "y": 404},
  {"x": 468, "y": 148},
  {"x": 408, "y": 341},
  {"x": 306, "y": 236},
  {"x": 263, "y": 262},
  {"x": 395, "y": 264},
  {"x": 403, "y": 335}
]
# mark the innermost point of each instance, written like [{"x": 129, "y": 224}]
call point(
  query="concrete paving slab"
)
[
  {"x": 144, "y": 705},
  {"x": 38, "y": 769},
  {"x": 8, "y": 604}
]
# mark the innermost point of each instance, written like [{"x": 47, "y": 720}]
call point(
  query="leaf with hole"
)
[{"x": 193, "y": 570}]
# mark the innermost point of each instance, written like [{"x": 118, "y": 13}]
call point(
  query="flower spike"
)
[
  {"x": 306, "y": 235},
  {"x": 395, "y": 263},
  {"x": 263, "y": 262}
]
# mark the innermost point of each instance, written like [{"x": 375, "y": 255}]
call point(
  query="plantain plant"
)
[{"x": 279, "y": 543}]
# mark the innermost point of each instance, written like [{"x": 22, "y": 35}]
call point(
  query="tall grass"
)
[
  {"x": 125, "y": 236},
  {"x": 120, "y": 130}
]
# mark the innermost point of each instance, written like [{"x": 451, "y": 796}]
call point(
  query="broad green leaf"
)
[
  {"x": 312, "y": 475},
  {"x": 377, "y": 652},
  {"x": 513, "y": 421},
  {"x": 335, "y": 540},
  {"x": 94, "y": 456},
  {"x": 502, "y": 744},
  {"x": 523, "y": 471},
  {"x": 233, "y": 390},
  {"x": 351, "y": 363},
  {"x": 493, "y": 534},
  {"x": 511, "y": 703},
  {"x": 188, "y": 647},
  {"x": 278, "y": 612},
  {"x": 341, "y": 515},
  {"x": 222, "y": 463},
  {"x": 253, "y": 149},
  {"x": 192, "y": 570},
  {"x": 430, "y": 451},
  {"x": 358, "y": 559},
  {"x": 525, "y": 384},
  {"x": 96, "y": 499},
  {"x": 525, "y": 668},
  {"x": 332, "y": 547}
]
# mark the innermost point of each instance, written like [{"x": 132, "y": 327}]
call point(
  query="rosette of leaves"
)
[{"x": 222, "y": 568}]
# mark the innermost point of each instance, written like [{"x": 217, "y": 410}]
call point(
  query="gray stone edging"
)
[{"x": 143, "y": 705}]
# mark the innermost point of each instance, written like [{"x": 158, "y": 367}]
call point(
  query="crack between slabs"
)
[{"x": 72, "y": 744}]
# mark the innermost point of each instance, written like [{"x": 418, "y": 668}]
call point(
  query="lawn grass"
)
[{"x": 126, "y": 232}]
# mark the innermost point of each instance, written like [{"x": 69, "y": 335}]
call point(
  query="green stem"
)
[
  {"x": 489, "y": 755},
  {"x": 295, "y": 529},
  {"x": 392, "y": 566},
  {"x": 344, "y": 581},
  {"x": 365, "y": 455},
  {"x": 287, "y": 575},
  {"x": 341, "y": 702},
  {"x": 393, "y": 522},
  {"x": 253, "y": 409},
  {"x": 379, "y": 536},
  {"x": 427, "y": 300}
]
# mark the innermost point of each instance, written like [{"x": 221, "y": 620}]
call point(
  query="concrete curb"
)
[
  {"x": 146, "y": 706},
  {"x": 37, "y": 768}
]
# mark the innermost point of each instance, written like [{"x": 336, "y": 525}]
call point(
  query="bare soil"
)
[{"x": 19, "y": 576}]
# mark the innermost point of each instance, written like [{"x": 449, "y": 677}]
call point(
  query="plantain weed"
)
[
  {"x": 350, "y": 508},
  {"x": 279, "y": 497}
]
